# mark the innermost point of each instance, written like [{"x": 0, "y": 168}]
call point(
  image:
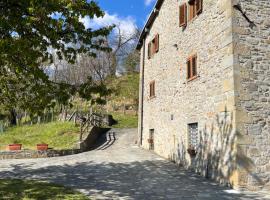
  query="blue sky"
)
[{"x": 137, "y": 10}]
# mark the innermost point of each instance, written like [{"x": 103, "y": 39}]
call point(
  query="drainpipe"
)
[{"x": 142, "y": 93}]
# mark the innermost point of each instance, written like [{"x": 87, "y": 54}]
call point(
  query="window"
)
[
  {"x": 183, "y": 15},
  {"x": 193, "y": 135},
  {"x": 152, "y": 89},
  {"x": 195, "y": 8},
  {"x": 153, "y": 46},
  {"x": 192, "y": 71}
]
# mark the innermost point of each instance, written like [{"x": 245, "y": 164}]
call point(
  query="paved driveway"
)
[{"x": 120, "y": 170}]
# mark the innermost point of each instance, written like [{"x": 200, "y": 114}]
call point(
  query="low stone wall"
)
[
  {"x": 24, "y": 154},
  {"x": 91, "y": 138}
]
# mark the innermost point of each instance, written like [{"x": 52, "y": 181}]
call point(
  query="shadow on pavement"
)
[{"x": 157, "y": 179}]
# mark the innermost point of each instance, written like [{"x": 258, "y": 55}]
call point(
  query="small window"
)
[
  {"x": 193, "y": 135},
  {"x": 152, "y": 89},
  {"x": 192, "y": 71},
  {"x": 183, "y": 15}
]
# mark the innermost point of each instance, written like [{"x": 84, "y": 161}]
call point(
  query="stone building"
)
[{"x": 205, "y": 86}]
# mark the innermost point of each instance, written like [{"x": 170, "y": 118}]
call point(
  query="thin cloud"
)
[
  {"x": 127, "y": 24},
  {"x": 148, "y": 2}
]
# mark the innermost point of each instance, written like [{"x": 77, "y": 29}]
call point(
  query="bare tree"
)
[{"x": 122, "y": 45}]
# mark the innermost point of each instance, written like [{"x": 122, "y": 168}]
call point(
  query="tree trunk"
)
[{"x": 12, "y": 119}]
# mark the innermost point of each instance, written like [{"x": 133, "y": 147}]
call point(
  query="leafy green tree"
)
[
  {"x": 29, "y": 31},
  {"x": 132, "y": 61}
]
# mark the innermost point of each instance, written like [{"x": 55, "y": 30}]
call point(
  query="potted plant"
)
[
  {"x": 191, "y": 151},
  {"x": 42, "y": 146},
  {"x": 15, "y": 146}
]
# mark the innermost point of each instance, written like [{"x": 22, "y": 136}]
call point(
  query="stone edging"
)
[{"x": 24, "y": 154}]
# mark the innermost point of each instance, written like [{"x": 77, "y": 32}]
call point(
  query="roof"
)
[{"x": 149, "y": 22}]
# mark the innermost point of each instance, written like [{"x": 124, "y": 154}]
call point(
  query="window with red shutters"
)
[
  {"x": 195, "y": 8},
  {"x": 183, "y": 15},
  {"x": 192, "y": 67}
]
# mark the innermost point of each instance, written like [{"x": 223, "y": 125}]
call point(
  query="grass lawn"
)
[
  {"x": 59, "y": 135},
  {"x": 125, "y": 121},
  {"x": 33, "y": 190}
]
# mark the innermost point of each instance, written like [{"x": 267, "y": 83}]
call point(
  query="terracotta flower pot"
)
[
  {"x": 191, "y": 152},
  {"x": 42, "y": 147},
  {"x": 15, "y": 147}
]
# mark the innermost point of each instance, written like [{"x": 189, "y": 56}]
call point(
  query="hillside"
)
[{"x": 126, "y": 92}]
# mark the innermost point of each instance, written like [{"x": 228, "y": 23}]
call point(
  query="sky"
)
[
  {"x": 138, "y": 10},
  {"x": 126, "y": 14}
]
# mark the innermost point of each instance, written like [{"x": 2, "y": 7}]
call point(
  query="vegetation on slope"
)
[
  {"x": 59, "y": 135},
  {"x": 123, "y": 103},
  {"x": 125, "y": 120}
]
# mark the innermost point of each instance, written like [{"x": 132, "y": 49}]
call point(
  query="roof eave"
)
[{"x": 149, "y": 22}]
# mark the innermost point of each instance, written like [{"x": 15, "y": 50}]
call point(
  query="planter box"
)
[
  {"x": 42, "y": 147},
  {"x": 15, "y": 147}
]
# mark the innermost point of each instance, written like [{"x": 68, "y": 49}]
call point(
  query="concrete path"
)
[{"x": 120, "y": 170}]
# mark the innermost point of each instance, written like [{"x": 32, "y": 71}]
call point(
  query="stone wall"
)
[
  {"x": 25, "y": 154},
  {"x": 209, "y": 100},
  {"x": 91, "y": 138},
  {"x": 252, "y": 84}
]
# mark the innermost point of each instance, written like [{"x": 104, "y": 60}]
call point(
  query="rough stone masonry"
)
[{"x": 229, "y": 99}]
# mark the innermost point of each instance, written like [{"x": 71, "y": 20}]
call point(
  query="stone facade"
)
[{"x": 229, "y": 99}]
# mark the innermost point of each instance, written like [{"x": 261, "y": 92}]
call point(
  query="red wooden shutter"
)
[
  {"x": 150, "y": 89},
  {"x": 183, "y": 15},
  {"x": 199, "y": 6},
  {"x": 149, "y": 50},
  {"x": 189, "y": 72},
  {"x": 194, "y": 66},
  {"x": 157, "y": 43},
  {"x": 153, "y": 47},
  {"x": 154, "y": 89},
  {"x": 192, "y": 10}
]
